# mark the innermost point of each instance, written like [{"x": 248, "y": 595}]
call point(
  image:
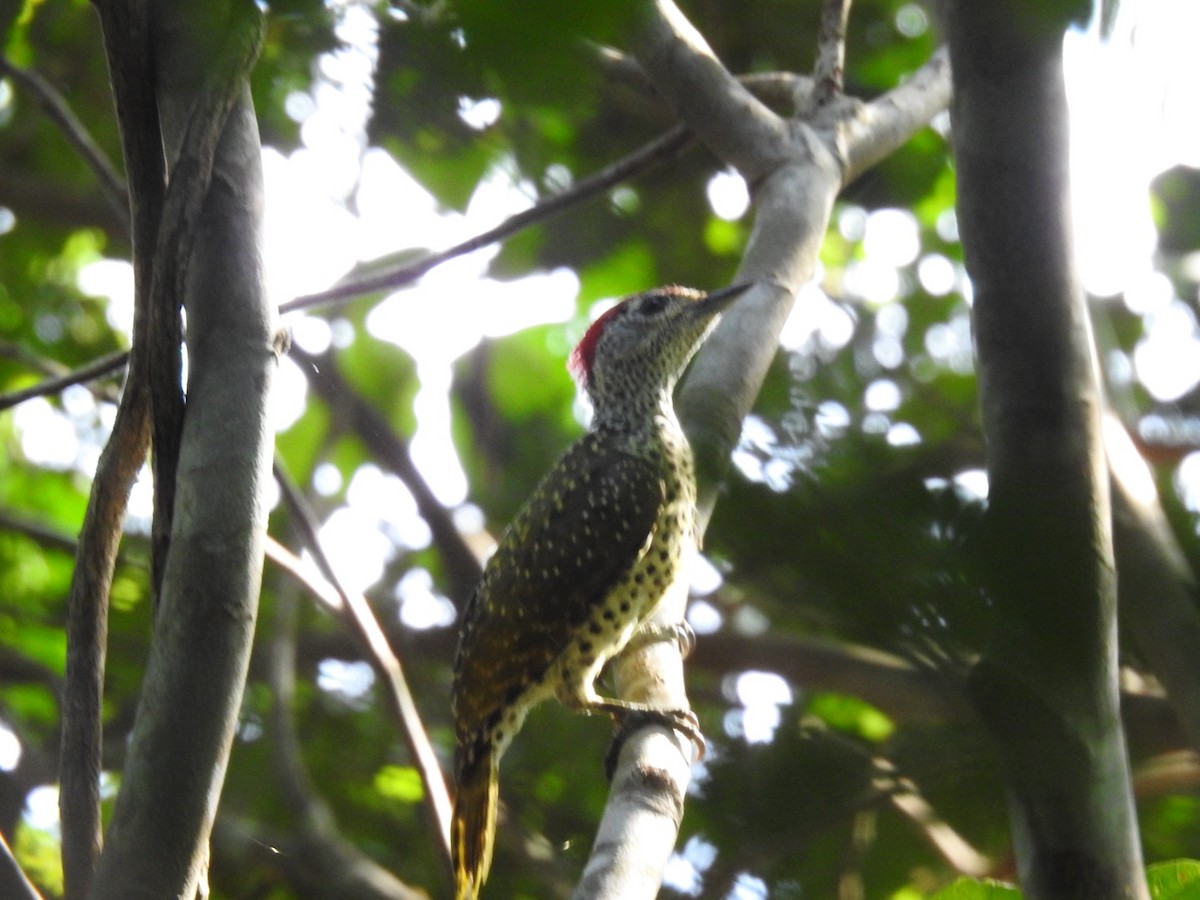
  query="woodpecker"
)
[{"x": 584, "y": 563}]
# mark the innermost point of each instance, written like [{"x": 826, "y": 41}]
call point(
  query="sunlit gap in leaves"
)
[
  {"x": 1187, "y": 483},
  {"x": 10, "y": 749},
  {"x": 331, "y": 204},
  {"x": 1133, "y": 98},
  {"x": 313, "y": 237},
  {"x": 854, "y": 305},
  {"x": 758, "y": 697},
  {"x": 684, "y": 872},
  {"x": 685, "y": 869},
  {"x": 6, "y": 101},
  {"x": 41, "y": 803},
  {"x": 350, "y": 682}
]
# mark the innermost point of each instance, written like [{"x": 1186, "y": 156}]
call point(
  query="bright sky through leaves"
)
[{"x": 1132, "y": 102}]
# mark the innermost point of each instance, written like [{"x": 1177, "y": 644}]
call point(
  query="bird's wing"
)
[{"x": 584, "y": 527}]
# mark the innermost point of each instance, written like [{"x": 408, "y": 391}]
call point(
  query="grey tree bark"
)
[
  {"x": 1047, "y": 684},
  {"x": 209, "y": 244}
]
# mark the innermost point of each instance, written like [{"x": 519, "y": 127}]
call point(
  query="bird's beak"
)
[{"x": 719, "y": 300}]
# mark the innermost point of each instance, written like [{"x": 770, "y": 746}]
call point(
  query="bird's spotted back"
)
[{"x": 581, "y": 530}]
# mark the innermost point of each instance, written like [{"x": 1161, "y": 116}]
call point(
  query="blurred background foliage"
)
[{"x": 839, "y": 556}]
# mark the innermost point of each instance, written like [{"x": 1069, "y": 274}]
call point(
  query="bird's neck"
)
[{"x": 643, "y": 417}]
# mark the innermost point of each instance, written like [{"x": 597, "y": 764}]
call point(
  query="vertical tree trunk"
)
[
  {"x": 157, "y": 842},
  {"x": 1047, "y": 684}
]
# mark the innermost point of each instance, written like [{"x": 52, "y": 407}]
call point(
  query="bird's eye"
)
[{"x": 652, "y": 305}]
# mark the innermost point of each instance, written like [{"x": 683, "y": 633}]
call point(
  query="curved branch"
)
[
  {"x": 778, "y": 90},
  {"x": 877, "y": 129},
  {"x": 14, "y": 884},
  {"x": 76, "y": 133},
  {"x": 356, "y": 614},
  {"x": 204, "y": 623},
  {"x": 723, "y": 114},
  {"x": 322, "y": 854},
  {"x": 462, "y": 566},
  {"x": 126, "y": 44}
]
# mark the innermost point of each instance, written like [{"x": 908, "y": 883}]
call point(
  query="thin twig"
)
[
  {"x": 462, "y": 568},
  {"x": 904, "y": 795},
  {"x": 14, "y": 884},
  {"x": 314, "y": 822},
  {"x": 60, "y": 112},
  {"x": 357, "y": 615},
  {"x": 43, "y": 534},
  {"x": 105, "y": 365},
  {"x": 658, "y": 150},
  {"x": 831, "y": 51},
  {"x": 26, "y": 357},
  {"x": 783, "y": 92}
]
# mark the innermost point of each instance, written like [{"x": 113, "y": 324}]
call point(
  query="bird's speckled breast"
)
[{"x": 659, "y": 571}]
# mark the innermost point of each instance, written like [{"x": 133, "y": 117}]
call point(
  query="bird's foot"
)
[
  {"x": 653, "y": 632},
  {"x": 683, "y": 721}
]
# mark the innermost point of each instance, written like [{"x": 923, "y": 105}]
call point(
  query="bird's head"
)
[{"x": 641, "y": 346}]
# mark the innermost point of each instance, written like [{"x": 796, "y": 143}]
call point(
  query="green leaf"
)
[
  {"x": 970, "y": 889},
  {"x": 1178, "y": 879},
  {"x": 39, "y": 853},
  {"x": 852, "y": 714},
  {"x": 402, "y": 783}
]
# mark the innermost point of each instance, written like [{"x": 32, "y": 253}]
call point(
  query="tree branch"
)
[
  {"x": 321, "y": 852},
  {"x": 60, "y": 113},
  {"x": 829, "y": 72},
  {"x": 105, "y": 365},
  {"x": 356, "y": 615},
  {"x": 873, "y": 131},
  {"x": 662, "y": 148},
  {"x": 786, "y": 91},
  {"x": 794, "y": 172},
  {"x": 1156, "y": 584},
  {"x": 203, "y": 628},
  {"x": 183, "y": 202},
  {"x": 126, "y": 45},
  {"x": 951, "y": 846},
  {"x": 463, "y": 569},
  {"x": 1050, "y": 703},
  {"x": 723, "y": 114},
  {"x": 13, "y": 882}
]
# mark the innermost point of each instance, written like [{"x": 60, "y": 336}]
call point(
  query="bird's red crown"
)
[{"x": 580, "y": 363}]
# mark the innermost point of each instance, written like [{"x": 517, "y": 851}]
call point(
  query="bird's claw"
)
[
  {"x": 653, "y": 632},
  {"x": 683, "y": 721}
]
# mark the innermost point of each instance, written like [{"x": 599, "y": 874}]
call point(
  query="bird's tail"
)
[{"x": 474, "y": 824}]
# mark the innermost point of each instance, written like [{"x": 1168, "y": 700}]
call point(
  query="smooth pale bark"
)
[
  {"x": 157, "y": 842},
  {"x": 1047, "y": 684}
]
